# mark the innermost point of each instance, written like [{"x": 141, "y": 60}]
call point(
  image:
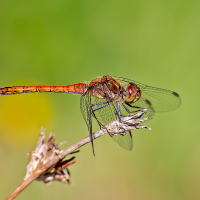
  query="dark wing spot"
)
[
  {"x": 175, "y": 94},
  {"x": 130, "y": 134},
  {"x": 148, "y": 102}
]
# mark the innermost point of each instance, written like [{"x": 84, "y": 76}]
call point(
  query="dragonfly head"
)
[{"x": 132, "y": 93}]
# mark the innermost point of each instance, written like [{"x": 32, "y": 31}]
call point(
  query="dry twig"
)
[{"x": 47, "y": 160}]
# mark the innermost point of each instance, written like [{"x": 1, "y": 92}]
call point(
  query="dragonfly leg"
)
[
  {"x": 139, "y": 108},
  {"x": 117, "y": 111},
  {"x": 100, "y": 124},
  {"x": 119, "y": 114},
  {"x": 97, "y": 104},
  {"x": 104, "y": 104}
]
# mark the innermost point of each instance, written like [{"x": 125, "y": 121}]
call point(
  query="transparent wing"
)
[
  {"x": 105, "y": 113},
  {"x": 85, "y": 103},
  {"x": 141, "y": 103},
  {"x": 124, "y": 141},
  {"x": 159, "y": 99}
]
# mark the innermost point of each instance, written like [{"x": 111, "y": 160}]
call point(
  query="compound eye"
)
[
  {"x": 133, "y": 93},
  {"x": 130, "y": 92}
]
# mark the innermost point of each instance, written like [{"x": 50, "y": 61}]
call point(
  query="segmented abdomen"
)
[{"x": 79, "y": 88}]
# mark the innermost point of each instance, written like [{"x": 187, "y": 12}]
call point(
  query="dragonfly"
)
[{"x": 108, "y": 98}]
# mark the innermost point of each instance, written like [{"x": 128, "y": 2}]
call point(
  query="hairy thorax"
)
[{"x": 105, "y": 87}]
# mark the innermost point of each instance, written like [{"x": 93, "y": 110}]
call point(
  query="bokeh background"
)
[{"x": 66, "y": 42}]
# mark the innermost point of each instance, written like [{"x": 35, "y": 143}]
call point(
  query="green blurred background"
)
[{"x": 66, "y": 42}]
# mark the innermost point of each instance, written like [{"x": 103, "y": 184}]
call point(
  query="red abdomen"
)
[{"x": 79, "y": 88}]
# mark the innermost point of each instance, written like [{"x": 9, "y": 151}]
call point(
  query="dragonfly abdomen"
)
[{"x": 75, "y": 89}]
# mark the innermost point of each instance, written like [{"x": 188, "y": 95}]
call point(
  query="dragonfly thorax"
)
[{"x": 106, "y": 87}]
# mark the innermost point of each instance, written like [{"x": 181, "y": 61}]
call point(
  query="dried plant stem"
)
[{"x": 52, "y": 156}]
